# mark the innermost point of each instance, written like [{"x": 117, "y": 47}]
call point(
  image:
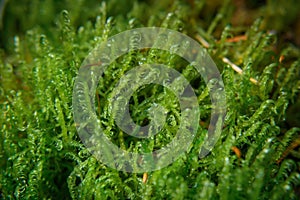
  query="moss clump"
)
[{"x": 257, "y": 156}]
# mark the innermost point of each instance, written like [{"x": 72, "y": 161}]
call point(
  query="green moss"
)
[{"x": 41, "y": 155}]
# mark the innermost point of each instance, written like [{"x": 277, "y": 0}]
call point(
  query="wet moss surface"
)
[{"x": 255, "y": 46}]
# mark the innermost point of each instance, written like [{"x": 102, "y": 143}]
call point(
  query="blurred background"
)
[{"x": 281, "y": 16}]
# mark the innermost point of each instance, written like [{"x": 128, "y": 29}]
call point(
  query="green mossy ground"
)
[{"x": 43, "y": 44}]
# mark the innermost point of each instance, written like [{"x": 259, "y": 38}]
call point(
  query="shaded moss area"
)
[{"x": 43, "y": 44}]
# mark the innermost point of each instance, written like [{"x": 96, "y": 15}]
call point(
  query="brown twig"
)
[
  {"x": 202, "y": 41},
  {"x": 294, "y": 144},
  {"x": 238, "y": 69},
  {"x": 237, "y": 38},
  {"x": 226, "y": 60}
]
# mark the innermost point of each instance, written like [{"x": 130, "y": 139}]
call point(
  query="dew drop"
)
[{"x": 59, "y": 145}]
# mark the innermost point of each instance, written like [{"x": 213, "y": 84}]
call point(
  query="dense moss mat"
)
[{"x": 43, "y": 45}]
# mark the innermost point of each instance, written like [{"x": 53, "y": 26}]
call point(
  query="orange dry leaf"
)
[
  {"x": 236, "y": 151},
  {"x": 145, "y": 177}
]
